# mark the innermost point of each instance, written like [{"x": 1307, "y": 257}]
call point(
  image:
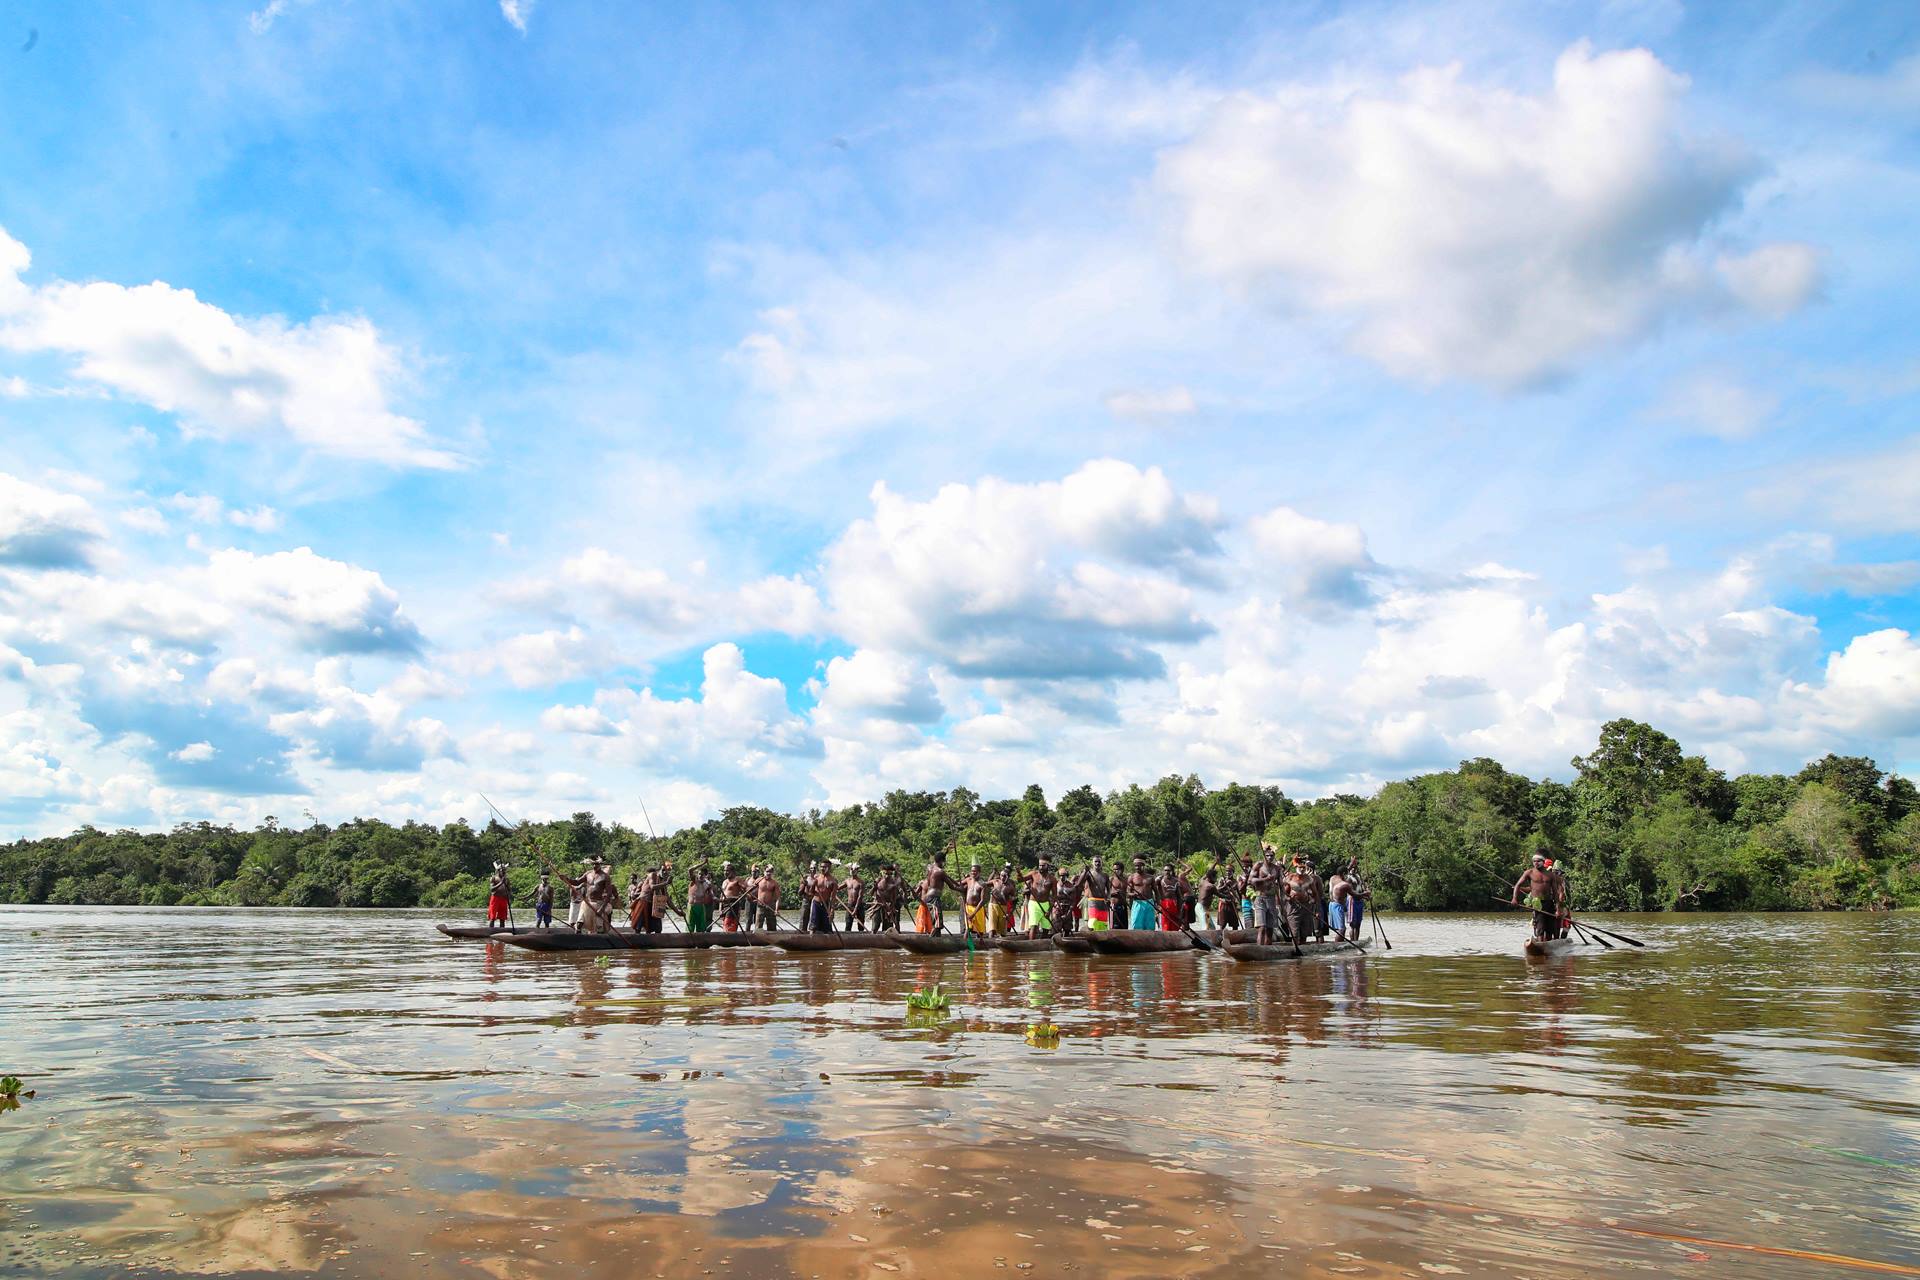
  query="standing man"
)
[
  {"x": 577, "y": 894},
  {"x": 661, "y": 899},
  {"x": 596, "y": 913},
  {"x": 640, "y": 902},
  {"x": 1098, "y": 886},
  {"x": 766, "y": 896},
  {"x": 1043, "y": 883},
  {"x": 733, "y": 892},
  {"x": 1000, "y": 902},
  {"x": 543, "y": 903},
  {"x": 499, "y": 892},
  {"x": 889, "y": 891},
  {"x": 931, "y": 918},
  {"x": 853, "y": 897},
  {"x": 1538, "y": 888},
  {"x": 1263, "y": 883},
  {"x": 1142, "y": 893},
  {"x": 973, "y": 901},
  {"x": 1300, "y": 887},
  {"x": 823, "y": 888},
  {"x": 701, "y": 897}
]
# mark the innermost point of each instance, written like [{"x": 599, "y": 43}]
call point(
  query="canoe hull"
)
[
  {"x": 835, "y": 942},
  {"x": 477, "y": 931},
  {"x": 934, "y": 944},
  {"x": 1073, "y": 944},
  {"x": 1547, "y": 948},
  {"x": 1253, "y": 952},
  {"x": 1137, "y": 942},
  {"x": 569, "y": 940}
]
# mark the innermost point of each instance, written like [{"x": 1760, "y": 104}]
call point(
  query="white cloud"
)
[
  {"x": 1120, "y": 101},
  {"x": 195, "y": 752},
  {"x": 356, "y": 730},
  {"x": 1075, "y": 578},
  {"x": 872, "y": 683},
  {"x": 42, "y": 528},
  {"x": 540, "y": 659},
  {"x": 1473, "y": 232},
  {"x": 1895, "y": 90},
  {"x": 325, "y": 384},
  {"x": 1877, "y": 492},
  {"x": 331, "y": 606},
  {"x": 641, "y": 593},
  {"x": 1718, "y": 405},
  {"x": 1872, "y": 686},
  {"x": 516, "y": 12},
  {"x": 1317, "y": 564}
]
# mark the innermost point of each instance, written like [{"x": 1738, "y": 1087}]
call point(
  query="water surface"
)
[{"x": 238, "y": 1092}]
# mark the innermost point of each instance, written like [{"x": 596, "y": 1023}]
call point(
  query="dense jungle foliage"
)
[{"x": 1645, "y": 827}]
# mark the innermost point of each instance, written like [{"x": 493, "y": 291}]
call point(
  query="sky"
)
[{"x": 654, "y": 409}]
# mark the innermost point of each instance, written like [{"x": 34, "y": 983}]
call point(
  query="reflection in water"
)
[{"x": 247, "y": 1091}]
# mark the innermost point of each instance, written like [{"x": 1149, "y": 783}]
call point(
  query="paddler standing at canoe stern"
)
[
  {"x": 701, "y": 897},
  {"x": 1141, "y": 895},
  {"x": 1539, "y": 888},
  {"x": 931, "y": 918},
  {"x": 1340, "y": 903},
  {"x": 498, "y": 894},
  {"x": 1043, "y": 882}
]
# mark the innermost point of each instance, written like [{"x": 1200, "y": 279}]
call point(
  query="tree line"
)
[{"x": 1642, "y": 825}]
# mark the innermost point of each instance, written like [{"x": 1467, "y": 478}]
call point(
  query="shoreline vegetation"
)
[{"x": 1644, "y": 827}]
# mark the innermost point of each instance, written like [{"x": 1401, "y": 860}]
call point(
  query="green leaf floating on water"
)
[
  {"x": 13, "y": 1087},
  {"x": 934, "y": 1000}
]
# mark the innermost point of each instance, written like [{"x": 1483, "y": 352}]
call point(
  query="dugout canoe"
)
[
  {"x": 934, "y": 944},
  {"x": 1073, "y": 944},
  {"x": 477, "y": 931},
  {"x": 1547, "y": 948},
  {"x": 623, "y": 940},
  {"x": 1253, "y": 951},
  {"x": 834, "y": 942},
  {"x": 1137, "y": 942}
]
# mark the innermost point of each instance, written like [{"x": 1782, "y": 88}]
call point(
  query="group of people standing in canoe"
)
[{"x": 1276, "y": 899}]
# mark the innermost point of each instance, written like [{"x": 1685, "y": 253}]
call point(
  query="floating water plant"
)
[
  {"x": 12, "y": 1089},
  {"x": 1043, "y": 1033},
  {"x": 934, "y": 1001}
]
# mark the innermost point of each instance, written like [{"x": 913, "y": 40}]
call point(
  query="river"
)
[{"x": 238, "y": 1092}]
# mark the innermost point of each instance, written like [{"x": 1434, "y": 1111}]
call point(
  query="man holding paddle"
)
[{"x": 1539, "y": 888}]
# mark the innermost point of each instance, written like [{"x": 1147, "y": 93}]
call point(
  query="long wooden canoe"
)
[
  {"x": 622, "y": 940},
  {"x": 935, "y": 944},
  {"x": 1073, "y": 943},
  {"x": 834, "y": 942},
  {"x": 1137, "y": 942},
  {"x": 477, "y": 931},
  {"x": 1251, "y": 951}
]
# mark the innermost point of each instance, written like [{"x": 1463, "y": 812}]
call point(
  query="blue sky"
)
[{"x": 594, "y": 403}]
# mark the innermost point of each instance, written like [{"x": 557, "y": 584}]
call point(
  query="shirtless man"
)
[
  {"x": 543, "y": 903},
  {"x": 1098, "y": 886},
  {"x": 1042, "y": 886},
  {"x": 1117, "y": 900},
  {"x": 577, "y": 894},
  {"x": 1301, "y": 888},
  {"x": 931, "y": 918},
  {"x": 853, "y": 897},
  {"x": 889, "y": 891},
  {"x": 1066, "y": 901},
  {"x": 499, "y": 893},
  {"x": 1343, "y": 904},
  {"x": 733, "y": 893},
  {"x": 1143, "y": 894},
  {"x": 1206, "y": 895},
  {"x": 1263, "y": 883},
  {"x": 1000, "y": 895},
  {"x": 1539, "y": 888},
  {"x": 766, "y": 897},
  {"x": 702, "y": 897},
  {"x": 820, "y": 890},
  {"x": 973, "y": 901}
]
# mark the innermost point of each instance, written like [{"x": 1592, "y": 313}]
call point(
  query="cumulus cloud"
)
[
  {"x": 42, "y": 528},
  {"x": 356, "y": 730},
  {"x": 1319, "y": 565},
  {"x": 1467, "y": 231},
  {"x": 740, "y": 722},
  {"x": 540, "y": 659},
  {"x": 330, "y": 606},
  {"x": 326, "y": 383},
  {"x": 872, "y": 683},
  {"x": 1076, "y": 578}
]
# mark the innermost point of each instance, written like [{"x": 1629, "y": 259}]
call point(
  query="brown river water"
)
[{"x": 243, "y": 1092}]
